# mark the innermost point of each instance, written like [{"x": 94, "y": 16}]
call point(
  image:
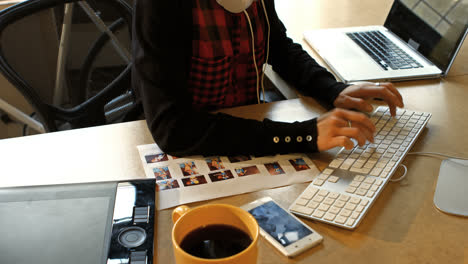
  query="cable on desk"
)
[
  {"x": 430, "y": 154},
  {"x": 403, "y": 176}
]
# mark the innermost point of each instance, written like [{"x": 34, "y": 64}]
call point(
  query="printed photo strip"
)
[
  {"x": 299, "y": 164},
  {"x": 221, "y": 176},
  {"x": 274, "y": 168},
  {"x": 215, "y": 164},
  {"x": 156, "y": 158},
  {"x": 162, "y": 173},
  {"x": 167, "y": 185},
  {"x": 246, "y": 171},
  {"x": 188, "y": 168},
  {"x": 194, "y": 180}
]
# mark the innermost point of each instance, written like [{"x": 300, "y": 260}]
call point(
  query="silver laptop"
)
[{"x": 417, "y": 41}]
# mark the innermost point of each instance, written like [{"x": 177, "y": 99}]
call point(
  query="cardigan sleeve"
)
[
  {"x": 159, "y": 76},
  {"x": 297, "y": 67}
]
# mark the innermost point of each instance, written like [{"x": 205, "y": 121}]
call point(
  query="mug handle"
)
[{"x": 178, "y": 212}]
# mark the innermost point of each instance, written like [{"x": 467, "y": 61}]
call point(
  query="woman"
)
[{"x": 195, "y": 56}]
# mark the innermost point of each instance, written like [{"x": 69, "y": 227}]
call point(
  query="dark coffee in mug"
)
[{"x": 215, "y": 241}]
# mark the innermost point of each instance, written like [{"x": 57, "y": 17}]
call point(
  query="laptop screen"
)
[{"x": 436, "y": 29}]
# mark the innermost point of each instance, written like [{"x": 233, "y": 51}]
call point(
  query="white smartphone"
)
[{"x": 283, "y": 230}]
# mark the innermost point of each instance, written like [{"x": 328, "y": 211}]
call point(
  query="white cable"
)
[
  {"x": 403, "y": 176},
  {"x": 430, "y": 154},
  {"x": 436, "y": 154},
  {"x": 267, "y": 51},
  {"x": 253, "y": 54}
]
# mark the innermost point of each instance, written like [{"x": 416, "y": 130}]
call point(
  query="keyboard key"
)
[
  {"x": 350, "y": 206},
  {"x": 334, "y": 195},
  {"x": 365, "y": 186},
  {"x": 318, "y": 182},
  {"x": 354, "y": 215},
  {"x": 323, "y": 193},
  {"x": 346, "y": 212},
  {"x": 313, "y": 204},
  {"x": 344, "y": 197},
  {"x": 318, "y": 198},
  {"x": 340, "y": 219},
  {"x": 335, "y": 163},
  {"x": 334, "y": 210},
  {"x": 322, "y": 177},
  {"x": 318, "y": 213},
  {"x": 361, "y": 191},
  {"x": 302, "y": 201},
  {"x": 329, "y": 216},
  {"x": 324, "y": 207},
  {"x": 328, "y": 201},
  {"x": 339, "y": 204},
  {"x": 350, "y": 222},
  {"x": 350, "y": 189},
  {"x": 308, "y": 194},
  {"x": 359, "y": 178},
  {"x": 369, "y": 180},
  {"x": 301, "y": 209},
  {"x": 355, "y": 200},
  {"x": 359, "y": 208}
]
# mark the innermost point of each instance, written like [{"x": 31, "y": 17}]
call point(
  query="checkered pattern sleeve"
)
[{"x": 162, "y": 53}]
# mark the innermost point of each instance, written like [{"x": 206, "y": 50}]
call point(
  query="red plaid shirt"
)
[{"x": 222, "y": 72}]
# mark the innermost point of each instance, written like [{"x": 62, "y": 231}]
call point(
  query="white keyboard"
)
[{"x": 343, "y": 193}]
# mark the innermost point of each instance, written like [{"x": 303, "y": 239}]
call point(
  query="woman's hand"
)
[
  {"x": 337, "y": 127},
  {"x": 354, "y": 96}
]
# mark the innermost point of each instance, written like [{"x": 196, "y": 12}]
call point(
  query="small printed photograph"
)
[
  {"x": 188, "y": 168},
  {"x": 238, "y": 158},
  {"x": 274, "y": 168},
  {"x": 167, "y": 184},
  {"x": 195, "y": 180},
  {"x": 173, "y": 157},
  {"x": 245, "y": 171},
  {"x": 215, "y": 164},
  {"x": 221, "y": 176},
  {"x": 156, "y": 158},
  {"x": 299, "y": 164},
  {"x": 162, "y": 173}
]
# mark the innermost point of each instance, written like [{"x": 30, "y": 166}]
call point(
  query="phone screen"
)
[{"x": 279, "y": 224}]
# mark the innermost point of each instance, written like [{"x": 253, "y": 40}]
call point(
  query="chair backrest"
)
[{"x": 56, "y": 54}]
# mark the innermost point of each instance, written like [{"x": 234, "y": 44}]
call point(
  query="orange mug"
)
[{"x": 187, "y": 222}]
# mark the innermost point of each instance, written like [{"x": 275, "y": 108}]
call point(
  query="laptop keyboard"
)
[
  {"x": 383, "y": 51},
  {"x": 343, "y": 193}
]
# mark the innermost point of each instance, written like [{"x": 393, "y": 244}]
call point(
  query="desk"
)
[{"x": 403, "y": 226}]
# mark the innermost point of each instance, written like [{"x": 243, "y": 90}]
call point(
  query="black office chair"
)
[{"x": 58, "y": 54}]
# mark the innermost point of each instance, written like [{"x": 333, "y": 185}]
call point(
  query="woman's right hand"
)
[{"x": 337, "y": 127}]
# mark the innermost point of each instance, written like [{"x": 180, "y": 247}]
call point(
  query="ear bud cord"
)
[
  {"x": 268, "y": 48},
  {"x": 253, "y": 54}
]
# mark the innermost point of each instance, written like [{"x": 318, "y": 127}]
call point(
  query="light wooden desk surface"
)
[{"x": 403, "y": 226}]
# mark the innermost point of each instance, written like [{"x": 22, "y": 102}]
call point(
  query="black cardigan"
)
[{"x": 162, "y": 49}]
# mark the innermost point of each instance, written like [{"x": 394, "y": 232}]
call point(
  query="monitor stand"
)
[{"x": 452, "y": 186}]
